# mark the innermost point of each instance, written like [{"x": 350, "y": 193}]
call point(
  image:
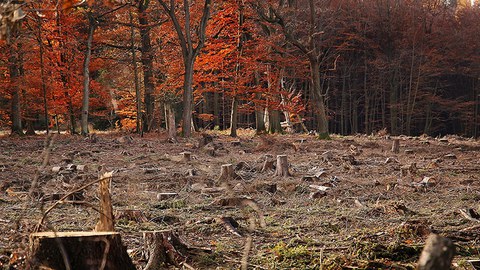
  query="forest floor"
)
[{"x": 375, "y": 214}]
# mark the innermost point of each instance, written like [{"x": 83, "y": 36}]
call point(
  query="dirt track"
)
[{"x": 375, "y": 214}]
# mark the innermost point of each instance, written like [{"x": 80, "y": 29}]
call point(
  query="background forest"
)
[{"x": 346, "y": 67}]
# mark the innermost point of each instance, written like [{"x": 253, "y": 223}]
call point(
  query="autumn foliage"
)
[{"x": 412, "y": 67}]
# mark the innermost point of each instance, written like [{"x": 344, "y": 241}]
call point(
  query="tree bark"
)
[
  {"x": 234, "y": 117},
  {"x": 188, "y": 97},
  {"x": 86, "y": 75},
  {"x": 14, "y": 70},
  {"x": 189, "y": 53},
  {"x": 42, "y": 75},
  {"x": 170, "y": 121},
  {"x": 282, "y": 166},
  {"x": 78, "y": 250},
  {"x": 274, "y": 122},
  {"x": 135, "y": 77},
  {"x": 147, "y": 66},
  {"x": 437, "y": 253},
  {"x": 322, "y": 121}
]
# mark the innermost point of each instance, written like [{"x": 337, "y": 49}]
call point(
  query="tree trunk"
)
[
  {"x": 259, "y": 110},
  {"x": 188, "y": 97},
  {"x": 234, "y": 117},
  {"x": 42, "y": 75},
  {"x": 64, "y": 78},
  {"x": 147, "y": 65},
  {"x": 322, "y": 122},
  {"x": 393, "y": 105},
  {"x": 170, "y": 121},
  {"x": 216, "y": 109},
  {"x": 14, "y": 70},
  {"x": 86, "y": 75},
  {"x": 274, "y": 122},
  {"x": 135, "y": 78}
]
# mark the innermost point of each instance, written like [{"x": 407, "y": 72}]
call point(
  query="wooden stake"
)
[
  {"x": 78, "y": 250},
  {"x": 437, "y": 253},
  {"x": 396, "y": 146},
  {"x": 282, "y": 166}
]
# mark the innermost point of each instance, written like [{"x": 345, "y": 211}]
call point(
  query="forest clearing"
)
[
  {"x": 239, "y": 134},
  {"x": 351, "y": 202}
]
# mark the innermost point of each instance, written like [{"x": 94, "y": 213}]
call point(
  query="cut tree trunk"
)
[
  {"x": 78, "y": 250},
  {"x": 282, "y": 166},
  {"x": 268, "y": 163},
  {"x": 170, "y": 121},
  {"x": 106, "y": 222},
  {"x": 186, "y": 156},
  {"x": 163, "y": 248},
  {"x": 396, "y": 146},
  {"x": 437, "y": 253},
  {"x": 226, "y": 173}
]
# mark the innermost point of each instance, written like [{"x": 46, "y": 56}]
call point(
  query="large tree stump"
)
[
  {"x": 163, "y": 248},
  {"x": 396, "y": 146},
  {"x": 78, "y": 250},
  {"x": 437, "y": 253},
  {"x": 282, "y": 166}
]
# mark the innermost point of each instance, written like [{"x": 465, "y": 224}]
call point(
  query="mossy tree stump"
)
[{"x": 78, "y": 250}]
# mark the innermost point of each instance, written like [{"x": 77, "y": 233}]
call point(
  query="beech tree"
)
[{"x": 190, "y": 50}]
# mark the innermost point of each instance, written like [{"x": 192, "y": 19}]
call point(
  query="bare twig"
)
[{"x": 62, "y": 200}]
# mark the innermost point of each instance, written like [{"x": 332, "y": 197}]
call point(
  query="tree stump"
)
[
  {"x": 206, "y": 139},
  {"x": 106, "y": 221},
  {"x": 163, "y": 248},
  {"x": 282, "y": 166},
  {"x": 268, "y": 163},
  {"x": 80, "y": 250},
  {"x": 396, "y": 146},
  {"x": 437, "y": 253},
  {"x": 226, "y": 172},
  {"x": 186, "y": 156}
]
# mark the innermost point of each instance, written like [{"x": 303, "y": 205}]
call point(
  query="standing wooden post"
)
[
  {"x": 396, "y": 146},
  {"x": 282, "y": 166},
  {"x": 437, "y": 253}
]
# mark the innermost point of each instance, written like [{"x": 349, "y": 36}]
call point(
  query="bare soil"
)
[{"x": 375, "y": 214}]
